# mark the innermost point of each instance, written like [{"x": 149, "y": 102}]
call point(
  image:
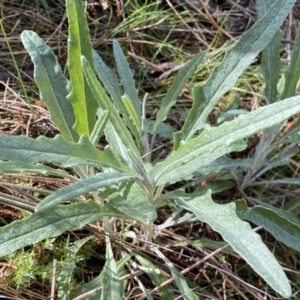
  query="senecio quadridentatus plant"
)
[{"x": 121, "y": 180}]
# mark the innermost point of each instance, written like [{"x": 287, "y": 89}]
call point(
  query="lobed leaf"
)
[
  {"x": 214, "y": 142},
  {"x": 42, "y": 225},
  {"x": 58, "y": 151},
  {"x": 223, "y": 219}
]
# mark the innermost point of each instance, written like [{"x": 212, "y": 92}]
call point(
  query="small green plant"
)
[{"x": 121, "y": 181}]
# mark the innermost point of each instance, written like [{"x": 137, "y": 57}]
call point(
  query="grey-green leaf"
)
[
  {"x": 243, "y": 240},
  {"x": 292, "y": 74},
  {"x": 45, "y": 224},
  {"x": 22, "y": 167},
  {"x": 67, "y": 268},
  {"x": 57, "y": 150},
  {"x": 53, "y": 85},
  {"x": 134, "y": 203},
  {"x": 271, "y": 63},
  {"x": 126, "y": 77},
  {"x": 236, "y": 60},
  {"x": 119, "y": 135},
  {"x": 271, "y": 220},
  {"x": 111, "y": 286},
  {"x": 177, "y": 85},
  {"x": 82, "y": 187},
  {"x": 211, "y": 143}
]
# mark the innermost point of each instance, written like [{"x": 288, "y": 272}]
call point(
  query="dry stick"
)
[
  {"x": 52, "y": 297},
  {"x": 89, "y": 293}
]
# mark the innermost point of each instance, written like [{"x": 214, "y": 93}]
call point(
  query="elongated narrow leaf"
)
[
  {"x": 58, "y": 151},
  {"x": 53, "y": 85},
  {"x": 187, "y": 293},
  {"x": 92, "y": 288},
  {"x": 82, "y": 187},
  {"x": 45, "y": 224},
  {"x": 236, "y": 60},
  {"x": 223, "y": 219},
  {"x": 157, "y": 277},
  {"x": 79, "y": 43},
  {"x": 111, "y": 287},
  {"x": 175, "y": 89},
  {"x": 211, "y": 142},
  {"x": 99, "y": 126},
  {"x": 126, "y": 77},
  {"x": 112, "y": 85},
  {"x": 134, "y": 118},
  {"x": 292, "y": 74},
  {"x": 22, "y": 167},
  {"x": 109, "y": 79},
  {"x": 116, "y": 132},
  {"x": 67, "y": 268},
  {"x": 271, "y": 63},
  {"x": 271, "y": 220},
  {"x": 271, "y": 66}
]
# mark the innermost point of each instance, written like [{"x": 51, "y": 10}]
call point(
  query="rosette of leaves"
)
[{"x": 121, "y": 180}]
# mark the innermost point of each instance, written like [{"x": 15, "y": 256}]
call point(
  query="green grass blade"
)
[
  {"x": 82, "y": 187},
  {"x": 273, "y": 221},
  {"x": 212, "y": 142},
  {"x": 236, "y": 60},
  {"x": 79, "y": 43},
  {"x": 58, "y": 151},
  {"x": 52, "y": 83},
  {"x": 175, "y": 89},
  {"x": 239, "y": 234},
  {"x": 111, "y": 287},
  {"x": 42, "y": 225}
]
